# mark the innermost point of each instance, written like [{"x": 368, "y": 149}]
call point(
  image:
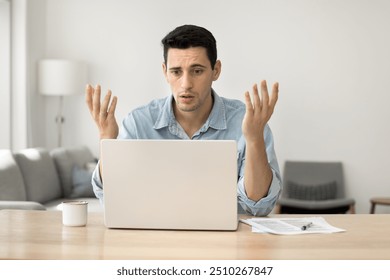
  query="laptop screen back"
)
[{"x": 170, "y": 184}]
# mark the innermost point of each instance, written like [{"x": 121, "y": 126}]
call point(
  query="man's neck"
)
[{"x": 191, "y": 122}]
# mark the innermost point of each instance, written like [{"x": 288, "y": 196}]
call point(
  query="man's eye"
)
[
  {"x": 176, "y": 72},
  {"x": 198, "y": 71}
]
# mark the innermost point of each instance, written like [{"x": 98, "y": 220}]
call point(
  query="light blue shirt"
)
[{"x": 156, "y": 120}]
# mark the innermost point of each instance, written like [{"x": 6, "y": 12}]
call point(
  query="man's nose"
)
[{"x": 186, "y": 81}]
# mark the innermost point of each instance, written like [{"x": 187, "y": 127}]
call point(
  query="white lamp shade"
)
[{"x": 61, "y": 77}]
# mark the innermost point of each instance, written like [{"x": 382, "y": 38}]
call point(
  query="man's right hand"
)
[{"x": 102, "y": 113}]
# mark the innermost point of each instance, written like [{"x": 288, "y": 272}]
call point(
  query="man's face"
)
[{"x": 189, "y": 74}]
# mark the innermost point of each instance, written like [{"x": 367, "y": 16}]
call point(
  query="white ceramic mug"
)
[{"x": 74, "y": 213}]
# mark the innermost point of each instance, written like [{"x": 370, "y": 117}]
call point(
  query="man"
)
[{"x": 195, "y": 111}]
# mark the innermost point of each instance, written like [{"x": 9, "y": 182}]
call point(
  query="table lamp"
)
[{"x": 59, "y": 77}]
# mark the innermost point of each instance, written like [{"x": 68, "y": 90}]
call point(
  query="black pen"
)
[{"x": 305, "y": 227}]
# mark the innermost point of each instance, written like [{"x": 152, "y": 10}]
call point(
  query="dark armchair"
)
[{"x": 314, "y": 188}]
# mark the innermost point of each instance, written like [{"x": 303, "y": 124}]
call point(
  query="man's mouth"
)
[
  {"x": 186, "y": 96},
  {"x": 186, "y": 99}
]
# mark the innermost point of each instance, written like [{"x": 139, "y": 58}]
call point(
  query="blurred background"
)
[{"x": 330, "y": 57}]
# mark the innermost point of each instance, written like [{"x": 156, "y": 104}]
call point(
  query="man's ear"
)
[
  {"x": 164, "y": 68},
  {"x": 217, "y": 70}
]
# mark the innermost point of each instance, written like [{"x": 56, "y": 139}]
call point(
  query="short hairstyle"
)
[{"x": 187, "y": 36}]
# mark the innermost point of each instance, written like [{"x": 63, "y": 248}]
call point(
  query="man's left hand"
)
[{"x": 258, "y": 111}]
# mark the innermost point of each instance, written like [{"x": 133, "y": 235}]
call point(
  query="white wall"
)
[
  {"x": 5, "y": 77},
  {"x": 36, "y": 37},
  {"x": 331, "y": 59},
  {"x": 19, "y": 75}
]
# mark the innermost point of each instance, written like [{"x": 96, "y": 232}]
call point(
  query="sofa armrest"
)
[{"x": 22, "y": 205}]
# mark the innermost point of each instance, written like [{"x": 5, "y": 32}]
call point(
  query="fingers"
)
[
  {"x": 111, "y": 110},
  {"x": 106, "y": 108},
  {"x": 253, "y": 104},
  {"x": 257, "y": 102},
  {"x": 105, "y": 103},
  {"x": 264, "y": 93},
  {"x": 99, "y": 110},
  {"x": 264, "y": 104},
  {"x": 248, "y": 103},
  {"x": 88, "y": 97},
  {"x": 275, "y": 95},
  {"x": 96, "y": 102}
]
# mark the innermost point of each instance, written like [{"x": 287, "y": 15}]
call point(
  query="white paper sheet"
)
[{"x": 291, "y": 226}]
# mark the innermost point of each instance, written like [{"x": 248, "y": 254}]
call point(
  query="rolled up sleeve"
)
[
  {"x": 265, "y": 205},
  {"x": 97, "y": 183}
]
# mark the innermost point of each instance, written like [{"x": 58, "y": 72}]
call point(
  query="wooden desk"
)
[{"x": 41, "y": 235}]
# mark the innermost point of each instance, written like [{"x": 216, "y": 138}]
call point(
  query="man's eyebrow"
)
[
  {"x": 197, "y": 65},
  {"x": 191, "y": 66},
  {"x": 174, "y": 68}
]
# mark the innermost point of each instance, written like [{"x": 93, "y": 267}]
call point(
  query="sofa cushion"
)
[
  {"x": 11, "y": 179},
  {"x": 65, "y": 160},
  {"x": 39, "y": 174},
  {"x": 94, "y": 204},
  {"x": 82, "y": 182},
  {"x": 21, "y": 205}
]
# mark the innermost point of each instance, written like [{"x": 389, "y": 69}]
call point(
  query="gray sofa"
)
[{"x": 39, "y": 179}]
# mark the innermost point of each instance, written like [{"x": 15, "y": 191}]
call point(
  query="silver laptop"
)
[{"x": 170, "y": 184}]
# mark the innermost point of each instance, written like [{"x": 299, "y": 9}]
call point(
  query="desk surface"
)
[{"x": 41, "y": 235}]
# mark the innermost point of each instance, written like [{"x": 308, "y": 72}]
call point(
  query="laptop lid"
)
[{"x": 170, "y": 184}]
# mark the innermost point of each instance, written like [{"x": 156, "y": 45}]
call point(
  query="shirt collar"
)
[{"x": 216, "y": 119}]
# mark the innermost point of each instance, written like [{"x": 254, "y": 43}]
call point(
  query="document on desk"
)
[{"x": 291, "y": 226}]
